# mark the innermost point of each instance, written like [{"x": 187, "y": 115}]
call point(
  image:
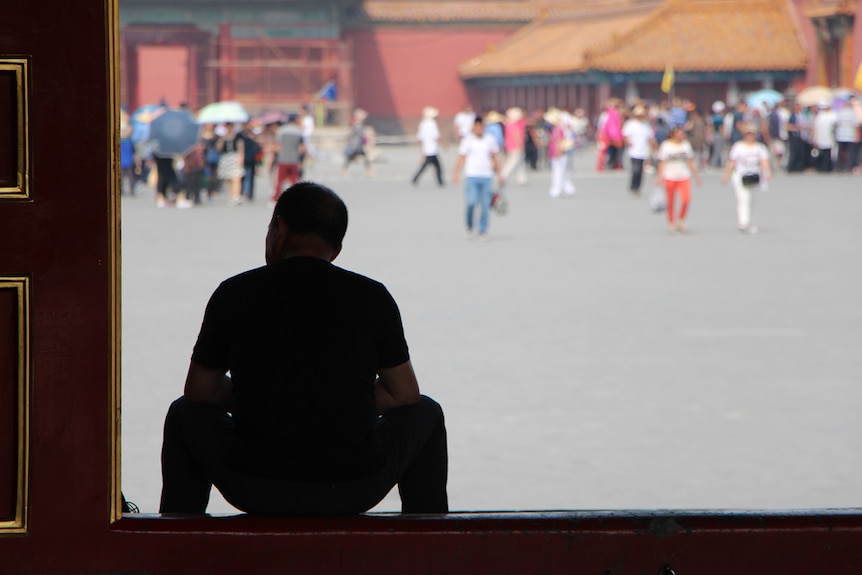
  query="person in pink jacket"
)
[{"x": 613, "y": 131}]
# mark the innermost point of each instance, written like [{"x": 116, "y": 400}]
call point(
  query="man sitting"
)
[{"x": 300, "y": 397}]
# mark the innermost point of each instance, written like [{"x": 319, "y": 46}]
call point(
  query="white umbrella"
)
[
  {"x": 222, "y": 113},
  {"x": 813, "y": 95}
]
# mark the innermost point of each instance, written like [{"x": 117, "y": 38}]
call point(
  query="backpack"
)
[{"x": 253, "y": 151}]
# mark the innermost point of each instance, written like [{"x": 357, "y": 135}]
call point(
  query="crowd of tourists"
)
[
  {"x": 672, "y": 139},
  {"x": 224, "y": 161}
]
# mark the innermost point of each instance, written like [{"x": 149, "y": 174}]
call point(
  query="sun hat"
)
[
  {"x": 514, "y": 114},
  {"x": 430, "y": 112},
  {"x": 718, "y": 106},
  {"x": 494, "y": 117},
  {"x": 552, "y": 116}
]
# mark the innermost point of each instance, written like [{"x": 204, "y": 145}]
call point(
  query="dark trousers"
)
[
  {"x": 248, "y": 180},
  {"x": 848, "y": 156},
  {"x": 200, "y": 440},
  {"x": 194, "y": 181},
  {"x": 614, "y": 157},
  {"x": 637, "y": 175},
  {"x": 430, "y": 161},
  {"x": 824, "y": 160},
  {"x": 167, "y": 176},
  {"x": 797, "y": 154}
]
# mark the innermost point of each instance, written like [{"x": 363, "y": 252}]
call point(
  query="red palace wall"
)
[{"x": 399, "y": 72}]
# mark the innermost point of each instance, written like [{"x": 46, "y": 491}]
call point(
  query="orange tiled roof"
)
[
  {"x": 556, "y": 43},
  {"x": 707, "y": 35},
  {"x": 518, "y": 11},
  {"x": 825, "y": 8},
  {"x": 487, "y": 11}
]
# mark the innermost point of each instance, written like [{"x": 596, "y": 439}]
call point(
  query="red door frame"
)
[{"x": 61, "y": 255}]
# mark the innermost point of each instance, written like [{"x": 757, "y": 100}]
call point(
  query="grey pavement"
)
[{"x": 585, "y": 358}]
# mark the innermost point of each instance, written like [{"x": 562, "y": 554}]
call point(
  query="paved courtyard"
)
[{"x": 584, "y": 358}]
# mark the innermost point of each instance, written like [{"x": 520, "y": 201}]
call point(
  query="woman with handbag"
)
[{"x": 748, "y": 161}]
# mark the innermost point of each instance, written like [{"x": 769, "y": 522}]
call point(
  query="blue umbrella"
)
[
  {"x": 766, "y": 96},
  {"x": 173, "y": 132},
  {"x": 140, "y": 121}
]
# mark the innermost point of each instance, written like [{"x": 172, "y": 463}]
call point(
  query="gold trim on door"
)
[
  {"x": 21, "y": 285},
  {"x": 15, "y": 185},
  {"x": 115, "y": 510}
]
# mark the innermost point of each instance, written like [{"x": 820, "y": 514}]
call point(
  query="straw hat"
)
[
  {"x": 430, "y": 112},
  {"x": 553, "y": 116},
  {"x": 494, "y": 117},
  {"x": 514, "y": 114}
]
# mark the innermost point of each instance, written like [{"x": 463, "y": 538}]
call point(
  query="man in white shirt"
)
[
  {"x": 464, "y": 122},
  {"x": 429, "y": 139},
  {"x": 824, "y": 136},
  {"x": 847, "y": 136},
  {"x": 477, "y": 155},
  {"x": 640, "y": 141}
]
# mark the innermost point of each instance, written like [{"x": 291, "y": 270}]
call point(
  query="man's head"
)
[
  {"x": 308, "y": 219},
  {"x": 478, "y": 127}
]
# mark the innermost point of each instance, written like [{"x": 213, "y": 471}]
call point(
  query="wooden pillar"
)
[
  {"x": 226, "y": 71},
  {"x": 345, "y": 96}
]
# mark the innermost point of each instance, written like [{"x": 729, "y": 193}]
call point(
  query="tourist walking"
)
[
  {"x": 463, "y": 122},
  {"x": 847, "y": 137},
  {"x": 477, "y": 156},
  {"x": 823, "y": 136},
  {"x": 290, "y": 145},
  {"x": 428, "y": 135},
  {"x": 797, "y": 148},
  {"x": 612, "y": 131},
  {"x": 230, "y": 164},
  {"x": 356, "y": 143},
  {"x": 252, "y": 155},
  {"x": 514, "y": 135},
  {"x": 676, "y": 167},
  {"x": 639, "y": 139},
  {"x": 748, "y": 162},
  {"x": 558, "y": 145},
  {"x": 716, "y": 154}
]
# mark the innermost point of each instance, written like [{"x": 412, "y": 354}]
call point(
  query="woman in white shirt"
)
[
  {"x": 749, "y": 162},
  {"x": 675, "y": 168}
]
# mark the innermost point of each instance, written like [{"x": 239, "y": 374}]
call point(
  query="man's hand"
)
[{"x": 395, "y": 386}]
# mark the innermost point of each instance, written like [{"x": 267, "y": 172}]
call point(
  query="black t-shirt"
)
[{"x": 303, "y": 341}]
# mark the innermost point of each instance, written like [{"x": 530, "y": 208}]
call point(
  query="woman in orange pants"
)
[{"x": 676, "y": 167}]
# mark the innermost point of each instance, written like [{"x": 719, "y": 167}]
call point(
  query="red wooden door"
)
[{"x": 59, "y": 388}]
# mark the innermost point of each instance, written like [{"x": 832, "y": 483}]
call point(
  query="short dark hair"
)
[
  {"x": 313, "y": 209},
  {"x": 478, "y": 120}
]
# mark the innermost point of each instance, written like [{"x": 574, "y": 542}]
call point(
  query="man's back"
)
[
  {"x": 288, "y": 137},
  {"x": 303, "y": 340}
]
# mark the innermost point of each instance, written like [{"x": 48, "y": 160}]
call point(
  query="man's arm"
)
[
  {"x": 396, "y": 386},
  {"x": 205, "y": 385},
  {"x": 456, "y": 173}
]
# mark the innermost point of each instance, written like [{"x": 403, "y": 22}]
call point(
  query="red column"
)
[{"x": 226, "y": 72}]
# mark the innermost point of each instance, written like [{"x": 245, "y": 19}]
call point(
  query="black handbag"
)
[{"x": 750, "y": 179}]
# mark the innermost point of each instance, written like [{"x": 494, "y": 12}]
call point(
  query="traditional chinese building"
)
[
  {"x": 393, "y": 57},
  {"x": 580, "y": 57}
]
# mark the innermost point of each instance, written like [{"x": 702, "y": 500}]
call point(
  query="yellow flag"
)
[
  {"x": 667, "y": 80},
  {"x": 857, "y": 83}
]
